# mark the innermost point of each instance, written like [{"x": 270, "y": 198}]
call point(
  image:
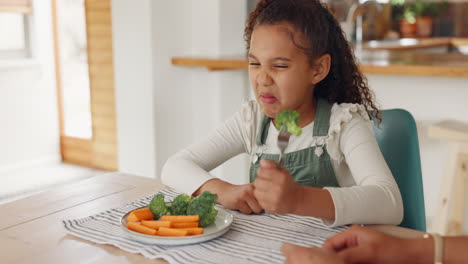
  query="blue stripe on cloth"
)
[{"x": 251, "y": 239}]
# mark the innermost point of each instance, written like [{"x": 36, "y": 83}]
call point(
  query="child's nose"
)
[{"x": 264, "y": 79}]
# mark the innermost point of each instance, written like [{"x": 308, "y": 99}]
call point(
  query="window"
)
[
  {"x": 14, "y": 29},
  {"x": 13, "y": 36},
  {"x": 73, "y": 68}
]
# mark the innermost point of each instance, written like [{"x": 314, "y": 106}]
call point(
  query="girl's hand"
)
[
  {"x": 239, "y": 197},
  {"x": 231, "y": 196},
  {"x": 275, "y": 188},
  {"x": 299, "y": 255}
]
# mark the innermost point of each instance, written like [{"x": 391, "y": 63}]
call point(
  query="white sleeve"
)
[
  {"x": 376, "y": 198},
  {"x": 188, "y": 169}
]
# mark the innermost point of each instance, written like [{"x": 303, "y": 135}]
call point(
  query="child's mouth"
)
[{"x": 268, "y": 99}]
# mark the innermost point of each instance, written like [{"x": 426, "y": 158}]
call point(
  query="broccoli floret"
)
[
  {"x": 203, "y": 206},
  {"x": 290, "y": 119},
  {"x": 158, "y": 207},
  {"x": 179, "y": 205}
]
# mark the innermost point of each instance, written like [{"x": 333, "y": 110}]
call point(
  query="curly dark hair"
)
[{"x": 323, "y": 35}]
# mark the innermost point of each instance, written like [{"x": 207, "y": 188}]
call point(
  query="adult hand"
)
[
  {"x": 275, "y": 189},
  {"x": 239, "y": 197},
  {"x": 302, "y": 255},
  {"x": 364, "y": 245}
]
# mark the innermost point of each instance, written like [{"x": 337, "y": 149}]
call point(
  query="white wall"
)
[
  {"x": 429, "y": 100},
  {"x": 134, "y": 81},
  {"x": 29, "y": 131},
  {"x": 162, "y": 108}
]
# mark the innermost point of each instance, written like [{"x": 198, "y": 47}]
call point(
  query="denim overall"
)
[{"x": 310, "y": 166}]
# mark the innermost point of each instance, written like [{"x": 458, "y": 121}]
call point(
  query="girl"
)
[{"x": 298, "y": 60}]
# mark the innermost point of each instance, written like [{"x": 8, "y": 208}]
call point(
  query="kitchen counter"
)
[
  {"x": 415, "y": 43},
  {"x": 413, "y": 63},
  {"x": 372, "y": 61}
]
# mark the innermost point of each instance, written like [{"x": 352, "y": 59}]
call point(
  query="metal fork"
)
[{"x": 283, "y": 140}]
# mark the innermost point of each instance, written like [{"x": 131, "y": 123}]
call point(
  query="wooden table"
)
[{"x": 31, "y": 229}]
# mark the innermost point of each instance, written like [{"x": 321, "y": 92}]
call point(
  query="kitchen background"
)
[{"x": 161, "y": 108}]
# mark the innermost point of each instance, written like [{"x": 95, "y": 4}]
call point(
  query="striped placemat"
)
[{"x": 251, "y": 238}]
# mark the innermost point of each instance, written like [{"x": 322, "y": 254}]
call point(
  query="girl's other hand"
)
[
  {"x": 301, "y": 255},
  {"x": 275, "y": 188},
  {"x": 231, "y": 196},
  {"x": 240, "y": 197}
]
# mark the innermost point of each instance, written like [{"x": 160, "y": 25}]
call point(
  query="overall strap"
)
[
  {"x": 263, "y": 133},
  {"x": 322, "y": 117}
]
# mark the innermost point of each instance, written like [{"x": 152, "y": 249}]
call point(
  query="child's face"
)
[{"x": 280, "y": 73}]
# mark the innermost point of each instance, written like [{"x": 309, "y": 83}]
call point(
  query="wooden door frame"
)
[{"x": 99, "y": 151}]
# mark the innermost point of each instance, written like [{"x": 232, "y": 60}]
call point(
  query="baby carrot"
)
[
  {"x": 165, "y": 231},
  {"x": 132, "y": 217},
  {"x": 141, "y": 229},
  {"x": 180, "y": 218},
  {"x": 140, "y": 214},
  {"x": 194, "y": 230},
  {"x": 156, "y": 224},
  {"x": 184, "y": 224}
]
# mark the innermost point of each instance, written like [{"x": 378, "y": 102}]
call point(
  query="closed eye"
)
[
  {"x": 281, "y": 66},
  {"x": 254, "y": 63}
]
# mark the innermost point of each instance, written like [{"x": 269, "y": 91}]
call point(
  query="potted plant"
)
[
  {"x": 408, "y": 26},
  {"x": 416, "y": 18},
  {"x": 425, "y": 13},
  {"x": 406, "y": 17}
]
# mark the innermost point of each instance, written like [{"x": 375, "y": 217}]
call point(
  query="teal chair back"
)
[{"x": 398, "y": 141}]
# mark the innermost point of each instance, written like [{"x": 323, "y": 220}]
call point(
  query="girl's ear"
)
[{"x": 321, "y": 68}]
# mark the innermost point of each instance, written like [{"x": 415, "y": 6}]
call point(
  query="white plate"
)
[{"x": 221, "y": 225}]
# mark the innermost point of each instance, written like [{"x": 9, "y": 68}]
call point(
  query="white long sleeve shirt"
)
[{"x": 368, "y": 193}]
